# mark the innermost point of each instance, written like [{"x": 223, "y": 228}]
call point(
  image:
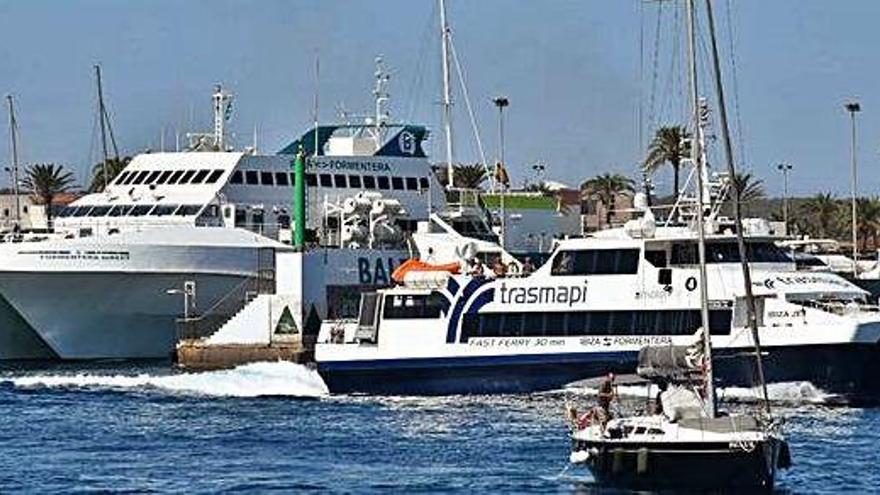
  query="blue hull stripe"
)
[{"x": 477, "y": 361}]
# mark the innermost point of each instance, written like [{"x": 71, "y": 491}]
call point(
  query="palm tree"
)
[
  {"x": 868, "y": 220},
  {"x": 605, "y": 188},
  {"x": 465, "y": 176},
  {"x": 114, "y": 167},
  {"x": 821, "y": 210},
  {"x": 749, "y": 187},
  {"x": 670, "y": 145},
  {"x": 45, "y": 181}
]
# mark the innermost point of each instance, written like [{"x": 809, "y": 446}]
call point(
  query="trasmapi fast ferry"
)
[
  {"x": 591, "y": 308},
  {"x": 196, "y": 234}
]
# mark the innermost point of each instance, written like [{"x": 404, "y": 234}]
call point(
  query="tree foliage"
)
[
  {"x": 669, "y": 145},
  {"x": 45, "y": 181},
  {"x": 606, "y": 188}
]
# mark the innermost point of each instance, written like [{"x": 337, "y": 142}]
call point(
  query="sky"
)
[{"x": 582, "y": 77}]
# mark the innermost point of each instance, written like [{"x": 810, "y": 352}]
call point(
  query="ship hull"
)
[{"x": 845, "y": 369}]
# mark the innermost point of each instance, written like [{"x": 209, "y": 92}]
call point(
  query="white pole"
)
[
  {"x": 854, "y": 107},
  {"x": 13, "y": 135},
  {"x": 447, "y": 97}
]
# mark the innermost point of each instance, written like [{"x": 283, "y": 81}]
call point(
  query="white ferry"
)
[
  {"x": 200, "y": 230},
  {"x": 589, "y": 310}
]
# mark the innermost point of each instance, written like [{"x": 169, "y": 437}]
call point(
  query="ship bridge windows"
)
[
  {"x": 121, "y": 177},
  {"x": 251, "y": 177},
  {"x": 139, "y": 178},
  {"x": 685, "y": 253},
  {"x": 593, "y": 323},
  {"x": 127, "y": 180},
  {"x": 236, "y": 178},
  {"x": 354, "y": 181},
  {"x": 383, "y": 182},
  {"x": 185, "y": 178},
  {"x": 99, "y": 211},
  {"x": 163, "y": 210},
  {"x": 214, "y": 177},
  {"x": 119, "y": 210},
  {"x": 200, "y": 176},
  {"x": 397, "y": 183},
  {"x": 281, "y": 178},
  {"x": 423, "y": 183},
  {"x": 340, "y": 180},
  {"x": 67, "y": 211},
  {"x": 656, "y": 258},
  {"x": 412, "y": 184},
  {"x": 152, "y": 177},
  {"x": 596, "y": 262},
  {"x": 140, "y": 210},
  {"x": 326, "y": 180},
  {"x": 267, "y": 178},
  {"x": 311, "y": 180},
  {"x": 369, "y": 182},
  {"x": 163, "y": 178},
  {"x": 413, "y": 306},
  {"x": 187, "y": 210},
  {"x": 82, "y": 211}
]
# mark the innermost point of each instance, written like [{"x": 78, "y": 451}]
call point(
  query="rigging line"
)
[
  {"x": 415, "y": 89},
  {"x": 641, "y": 71},
  {"x": 731, "y": 40},
  {"x": 673, "y": 82},
  {"x": 110, "y": 132},
  {"x": 467, "y": 102},
  {"x": 652, "y": 106}
]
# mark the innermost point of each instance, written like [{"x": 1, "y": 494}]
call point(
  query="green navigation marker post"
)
[{"x": 299, "y": 200}]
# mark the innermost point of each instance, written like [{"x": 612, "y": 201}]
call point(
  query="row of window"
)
[
  {"x": 169, "y": 177},
  {"x": 382, "y": 182},
  {"x": 596, "y": 262},
  {"x": 414, "y": 306},
  {"x": 593, "y": 323},
  {"x": 129, "y": 210}
]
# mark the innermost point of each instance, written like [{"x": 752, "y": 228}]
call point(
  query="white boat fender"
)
[{"x": 579, "y": 457}]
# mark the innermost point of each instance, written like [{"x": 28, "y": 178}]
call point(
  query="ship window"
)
[
  {"x": 187, "y": 210},
  {"x": 141, "y": 176},
  {"x": 397, "y": 183},
  {"x": 490, "y": 324},
  {"x": 186, "y": 177},
  {"x": 326, "y": 180},
  {"x": 65, "y": 212},
  {"x": 140, "y": 210},
  {"x": 82, "y": 211},
  {"x": 251, "y": 177},
  {"x": 423, "y": 183},
  {"x": 130, "y": 178},
  {"x": 267, "y": 178},
  {"x": 369, "y": 182},
  {"x": 367, "y": 314},
  {"x": 413, "y": 306},
  {"x": 281, "y": 179},
  {"x": 412, "y": 184},
  {"x": 292, "y": 178},
  {"x": 163, "y": 210},
  {"x": 596, "y": 262},
  {"x": 176, "y": 175},
  {"x": 512, "y": 324},
  {"x": 340, "y": 180},
  {"x": 311, "y": 180},
  {"x": 215, "y": 175},
  {"x": 236, "y": 177},
  {"x": 383, "y": 182},
  {"x": 121, "y": 177},
  {"x": 119, "y": 210},
  {"x": 555, "y": 324},
  {"x": 656, "y": 258},
  {"x": 99, "y": 211},
  {"x": 200, "y": 176},
  {"x": 164, "y": 177},
  {"x": 283, "y": 221},
  {"x": 152, "y": 177},
  {"x": 354, "y": 181}
]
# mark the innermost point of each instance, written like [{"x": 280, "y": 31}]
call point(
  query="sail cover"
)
[{"x": 669, "y": 362}]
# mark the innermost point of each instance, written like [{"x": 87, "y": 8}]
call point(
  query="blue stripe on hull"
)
[{"x": 849, "y": 370}]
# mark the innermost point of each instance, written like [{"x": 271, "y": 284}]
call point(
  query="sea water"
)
[{"x": 273, "y": 426}]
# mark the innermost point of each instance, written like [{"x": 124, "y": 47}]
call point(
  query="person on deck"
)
[
  {"x": 607, "y": 393},
  {"x": 528, "y": 267}
]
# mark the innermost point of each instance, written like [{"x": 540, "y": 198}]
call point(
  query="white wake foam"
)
[
  {"x": 249, "y": 380},
  {"x": 788, "y": 392}
]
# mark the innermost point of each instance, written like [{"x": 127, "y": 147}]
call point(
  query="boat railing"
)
[{"x": 840, "y": 308}]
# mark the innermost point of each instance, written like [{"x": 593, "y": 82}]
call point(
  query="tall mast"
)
[
  {"x": 13, "y": 136},
  {"x": 447, "y": 98},
  {"x": 737, "y": 213},
  {"x": 101, "y": 117},
  {"x": 698, "y": 159}
]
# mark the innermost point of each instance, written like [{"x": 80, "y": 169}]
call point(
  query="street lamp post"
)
[
  {"x": 785, "y": 168},
  {"x": 501, "y": 102},
  {"x": 854, "y": 107}
]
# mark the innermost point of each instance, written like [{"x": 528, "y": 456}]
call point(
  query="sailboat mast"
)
[
  {"x": 101, "y": 117},
  {"x": 13, "y": 136},
  {"x": 698, "y": 160},
  {"x": 447, "y": 97},
  {"x": 737, "y": 213}
]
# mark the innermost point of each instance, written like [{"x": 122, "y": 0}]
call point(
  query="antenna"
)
[
  {"x": 381, "y": 96},
  {"x": 222, "y": 112},
  {"x": 103, "y": 122},
  {"x": 447, "y": 97},
  {"x": 13, "y": 136},
  {"x": 317, "y": 94}
]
